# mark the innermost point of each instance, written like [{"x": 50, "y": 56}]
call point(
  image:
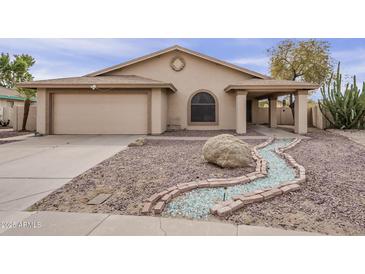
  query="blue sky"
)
[{"x": 75, "y": 57}]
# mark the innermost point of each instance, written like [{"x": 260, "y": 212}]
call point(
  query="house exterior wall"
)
[{"x": 198, "y": 74}]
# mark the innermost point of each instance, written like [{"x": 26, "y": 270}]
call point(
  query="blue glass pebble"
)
[{"x": 196, "y": 204}]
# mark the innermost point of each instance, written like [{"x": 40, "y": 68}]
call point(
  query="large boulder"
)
[{"x": 226, "y": 150}]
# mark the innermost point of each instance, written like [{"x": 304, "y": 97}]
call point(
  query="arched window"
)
[{"x": 203, "y": 108}]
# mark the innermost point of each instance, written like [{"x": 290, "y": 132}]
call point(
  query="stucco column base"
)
[
  {"x": 241, "y": 105},
  {"x": 300, "y": 111},
  {"x": 158, "y": 111},
  {"x": 43, "y": 109},
  {"x": 273, "y": 120}
]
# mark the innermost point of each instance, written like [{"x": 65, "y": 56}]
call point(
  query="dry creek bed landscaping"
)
[{"x": 332, "y": 201}]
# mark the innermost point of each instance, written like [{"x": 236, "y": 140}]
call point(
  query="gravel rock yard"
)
[
  {"x": 134, "y": 175},
  {"x": 357, "y": 136},
  {"x": 332, "y": 201}
]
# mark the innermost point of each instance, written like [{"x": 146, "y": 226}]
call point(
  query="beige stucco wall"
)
[
  {"x": 164, "y": 108},
  {"x": 158, "y": 111},
  {"x": 318, "y": 119},
  {"x": 284, "y": 116},
  {"x": 301, "y": 112},
  {"x": 17, "y": 118},
  {"x": 198, "y": 74},
  {"x": 42, "y": 111}
]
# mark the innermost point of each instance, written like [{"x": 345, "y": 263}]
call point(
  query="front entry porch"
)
[{"x": 254, "y": 90}]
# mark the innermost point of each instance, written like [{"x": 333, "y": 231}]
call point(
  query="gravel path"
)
[
  {"x": 209, "y": 133},
  {"x": 332, "y": 201},
  {"x": 135, "y": 174}
]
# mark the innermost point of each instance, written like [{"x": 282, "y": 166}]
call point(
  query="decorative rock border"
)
[
  {"x": 156, "y": 203},
  {"x": 226, "y": 208}
]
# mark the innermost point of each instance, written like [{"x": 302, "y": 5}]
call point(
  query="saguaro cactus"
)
[{"x": 346, "y": 109}]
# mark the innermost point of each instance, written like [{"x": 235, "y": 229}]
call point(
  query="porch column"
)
[
  {"x": 273, "y": 121},
  {"x": 241, "y": 105},
  {"x": 255, "y": 110},
  {"x": 300, "y": 112},
  {"x": 43, "y": 109}
]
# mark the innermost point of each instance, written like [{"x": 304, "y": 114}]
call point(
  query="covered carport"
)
[{"x": 258, "y": 89}]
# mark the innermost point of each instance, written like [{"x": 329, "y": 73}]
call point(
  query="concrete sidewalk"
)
[{"x": 79, "y": 224}]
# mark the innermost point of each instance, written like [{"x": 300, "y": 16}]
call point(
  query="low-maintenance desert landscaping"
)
[
  {"x": 134, "y": 175},
  {"x": 331, "y": 201}
]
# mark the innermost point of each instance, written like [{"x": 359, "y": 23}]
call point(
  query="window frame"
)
[{"x": 216, "y": 109}]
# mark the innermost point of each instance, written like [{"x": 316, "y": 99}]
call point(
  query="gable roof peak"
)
[{"x": 182, "y": 49}]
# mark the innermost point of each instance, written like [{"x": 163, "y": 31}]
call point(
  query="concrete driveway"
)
[{"x": 33, "y": 168}]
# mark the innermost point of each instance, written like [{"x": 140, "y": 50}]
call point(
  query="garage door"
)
[{"x": 100, "y": 114}]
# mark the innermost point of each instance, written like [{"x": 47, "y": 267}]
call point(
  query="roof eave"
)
[
  {"x": 271, "y": 88},
  {"x": 88, "y": 86}
]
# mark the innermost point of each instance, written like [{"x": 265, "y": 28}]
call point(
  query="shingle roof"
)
[
  {"x": 16, "y": 98},
  {"x": 132, "y": 81},
  {"x": 11, "y": 94},
  {"x": 271, "y": 84}
]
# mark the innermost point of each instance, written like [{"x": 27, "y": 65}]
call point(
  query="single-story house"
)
[{"x": 172, "y": 88}]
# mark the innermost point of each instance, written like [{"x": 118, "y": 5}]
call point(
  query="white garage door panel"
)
[{"x": 99, "y": 114}]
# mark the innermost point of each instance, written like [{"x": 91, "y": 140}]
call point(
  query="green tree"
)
[
  {"x": 306, "y": 60},
  {"x": 15, "y": 70}
]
